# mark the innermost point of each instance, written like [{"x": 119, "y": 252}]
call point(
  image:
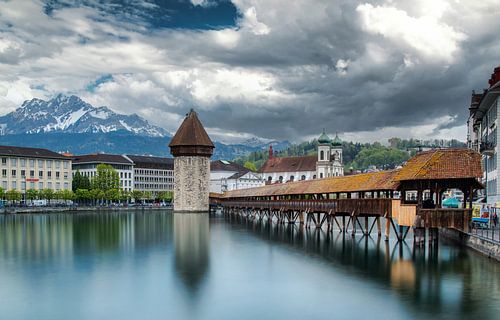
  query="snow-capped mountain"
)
[
  {"x": 72, "y": 115},
  {"x": 264, "y": 143}
]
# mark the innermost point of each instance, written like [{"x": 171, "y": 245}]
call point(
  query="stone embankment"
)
[
  {"x": 485, "y": 246},
  {"x": 29, "y": 210}
]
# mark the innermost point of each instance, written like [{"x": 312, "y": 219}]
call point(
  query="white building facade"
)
[
  {"x": 23, "y": 169},
  {"x": 227, "y": 176},
  {"x": 87, "y": 166},
  {"x": 483, "y": 136},
  {"x": 153, "y": 174}
]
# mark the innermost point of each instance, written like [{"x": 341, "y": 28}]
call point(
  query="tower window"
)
[
  {"x": 321, "y": 155},
  {"x": 303, "y": 177},
  {"x": 281, "y": 179}
]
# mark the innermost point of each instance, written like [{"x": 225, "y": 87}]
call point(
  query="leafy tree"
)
[
  {"x": 137, "y": 195},
  {"x": 80, "y": 182},
  {"x": 48, "y": 194},
  {"x": 165, "y": 196},
  {"x": 83, "y": 195},
  {"x": 31, "y": 194},
  {"x": 106, "y": 178},
  {"x": 250, "y": 166},
  {"x": 2, "y": 193},
  {"x": 13, "y": 195},
  {"x": 112, "y": 194}
]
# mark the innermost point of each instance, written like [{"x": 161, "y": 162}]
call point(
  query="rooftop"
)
[
  {"x": 431, "y": 165},
  {"x": 101, "y": 158},
  {"x": 289, "y": 164},
  {"x": 30, "y": 152},
  {"x": 191, "y": 133},
  {"x": 222, "y": 165}
]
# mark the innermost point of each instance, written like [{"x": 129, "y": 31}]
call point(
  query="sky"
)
[{"x": 272, "y": 69}]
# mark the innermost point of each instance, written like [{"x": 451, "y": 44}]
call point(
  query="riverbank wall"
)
[
  {"x": 45, "y": 210},
  {"x": 485, "y": 246}
]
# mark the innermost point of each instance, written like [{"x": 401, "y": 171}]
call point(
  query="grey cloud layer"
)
[{"x": 288, "y": 70}]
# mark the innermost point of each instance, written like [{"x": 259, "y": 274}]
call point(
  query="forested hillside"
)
[{"x": 357, "y": 156}]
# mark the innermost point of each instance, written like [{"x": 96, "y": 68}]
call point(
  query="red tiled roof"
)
[
  {"x": 375, "y": 181},
  {"x": 442, "y": 164},
  {"x": 289, "y": 164},
  {"x": 431, "y": 165}
]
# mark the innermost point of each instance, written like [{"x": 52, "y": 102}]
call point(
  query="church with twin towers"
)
[{"x": 328, "y": 162}]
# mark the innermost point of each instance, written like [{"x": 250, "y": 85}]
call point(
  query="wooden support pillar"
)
[
  {"x": 353, "y": 220},
  {"x": 366, "y": 224},
  {"x": 387, "y": 228},
  {"x": 379, "y": 228}
]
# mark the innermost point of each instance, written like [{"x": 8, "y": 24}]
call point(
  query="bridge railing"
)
[
  {"x": 376, "y": 207},
  {"x": 444, "y": 218}
]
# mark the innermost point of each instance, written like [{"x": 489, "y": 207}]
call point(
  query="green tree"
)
[
  {"x": 13, "y": 195},
  {"x": 48, "y": 194},
  {"x": 137, "y": 195},
  {"x": 31, "y": 194},
  {"x": 83, "y": 195},
  {"x": 2, "y": 193},
  {"x": 80, "y": 182},
  {"x": 106, "y": 178},
  {"x": 165, "y": 196},
  {"x": 250, "y": 166}
]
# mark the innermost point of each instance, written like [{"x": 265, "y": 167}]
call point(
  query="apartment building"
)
[
  {"x": 33, "y": 168},
  {"x": 482, "y": 133},
  {"x": 87, "y": 165},
  {"x": 153, "y": 174}
]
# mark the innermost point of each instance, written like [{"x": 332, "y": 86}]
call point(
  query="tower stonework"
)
[{"x": 192, "y": 149}]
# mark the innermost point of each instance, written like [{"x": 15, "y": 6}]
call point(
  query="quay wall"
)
[
  {"x": 477, "y": 243},
  {"x": 46, "y": 210}
]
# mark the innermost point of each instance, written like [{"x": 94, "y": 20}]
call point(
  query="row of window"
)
[
  {"x": 150, "y": 172},
  {"x": 13, "y": 174},
  {"x": 31, "y": 162},
  {"x": 153, "y": 179},
  {"x": 32, "y": 185},
  {"x": 144, "y": 186},
  {"x": 125, "y": 175}
]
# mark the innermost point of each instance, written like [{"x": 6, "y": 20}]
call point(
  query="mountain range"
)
[{"x": 67, "y": 123}]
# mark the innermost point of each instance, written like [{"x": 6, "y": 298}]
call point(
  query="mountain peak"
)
[{"x": 71, "y": 114}]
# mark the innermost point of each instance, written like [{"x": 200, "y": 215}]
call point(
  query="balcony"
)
[{"x": 487, "y": 148}]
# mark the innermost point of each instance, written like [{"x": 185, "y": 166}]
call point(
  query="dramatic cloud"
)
[{"x": 272, "y": 69}]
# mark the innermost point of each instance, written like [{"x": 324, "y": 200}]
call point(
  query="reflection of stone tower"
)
[
  {"x": 192, "y": 252},
  {"x": 192, "y": 149}
]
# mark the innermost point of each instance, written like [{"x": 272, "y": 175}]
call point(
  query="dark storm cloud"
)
[{"x": 274, "y": 69}]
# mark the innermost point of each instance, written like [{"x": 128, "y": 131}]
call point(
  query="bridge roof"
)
[
  {"x": 374, "y": 181},
  {"x": 442, "y": 164},
  {"x": 432, "y": 165}
]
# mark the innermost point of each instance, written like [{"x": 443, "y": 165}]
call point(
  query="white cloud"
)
[
  {"x": 251, "y": 22},
  {"x": 427, "y": 34}
]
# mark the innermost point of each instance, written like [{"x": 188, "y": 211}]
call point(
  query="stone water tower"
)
[{"x": 192, "y": 149}]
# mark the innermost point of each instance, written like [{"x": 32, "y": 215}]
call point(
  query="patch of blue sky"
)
[
  {"x": 159, "y": 14},
  {"x": 102, "y": 79}
]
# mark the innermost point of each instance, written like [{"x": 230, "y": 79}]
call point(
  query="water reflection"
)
[
  {"x": 191, "y": 242},
  {"x": 432, "y": 280}
]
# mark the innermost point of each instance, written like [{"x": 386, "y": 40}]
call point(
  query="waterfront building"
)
[
  {"x": 482, "y": 133},
  {"x": 87, "y": 165},
  {"x": 328, "y": 162},
  {"x": 226, "y": 176},
  {"x": 192, "y": 149},
  {"x": 33, "y": 168},
  {"x": 153, "y": 174}
]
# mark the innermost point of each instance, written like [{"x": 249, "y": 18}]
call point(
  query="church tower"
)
[
  {"x": 337, "y": 157},
  {"x": 323, "y": 167},
  {"x": 192, "y": 149}
]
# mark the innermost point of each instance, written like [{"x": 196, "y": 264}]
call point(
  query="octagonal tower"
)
[{"x": 192, "y": 148}]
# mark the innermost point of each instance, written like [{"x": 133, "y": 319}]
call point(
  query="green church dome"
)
[
  {"x": 324, "y": 138},
  {"x": 336, "y": 141}
]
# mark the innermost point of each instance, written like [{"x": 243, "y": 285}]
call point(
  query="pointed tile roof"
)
[{"x": 191, "y": 138}]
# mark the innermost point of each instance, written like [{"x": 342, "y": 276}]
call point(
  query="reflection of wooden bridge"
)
[{"x": 344, "y": 201}]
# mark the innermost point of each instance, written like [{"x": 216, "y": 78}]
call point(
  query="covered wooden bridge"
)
[{"x": 407, "y": 197}]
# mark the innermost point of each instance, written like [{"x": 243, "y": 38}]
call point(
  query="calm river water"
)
[{"x": 157, "y": 265}]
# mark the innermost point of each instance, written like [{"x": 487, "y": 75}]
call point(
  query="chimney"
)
[
  {"x": 270, "y": 151},
  {"x": 495, "y": 77}
]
